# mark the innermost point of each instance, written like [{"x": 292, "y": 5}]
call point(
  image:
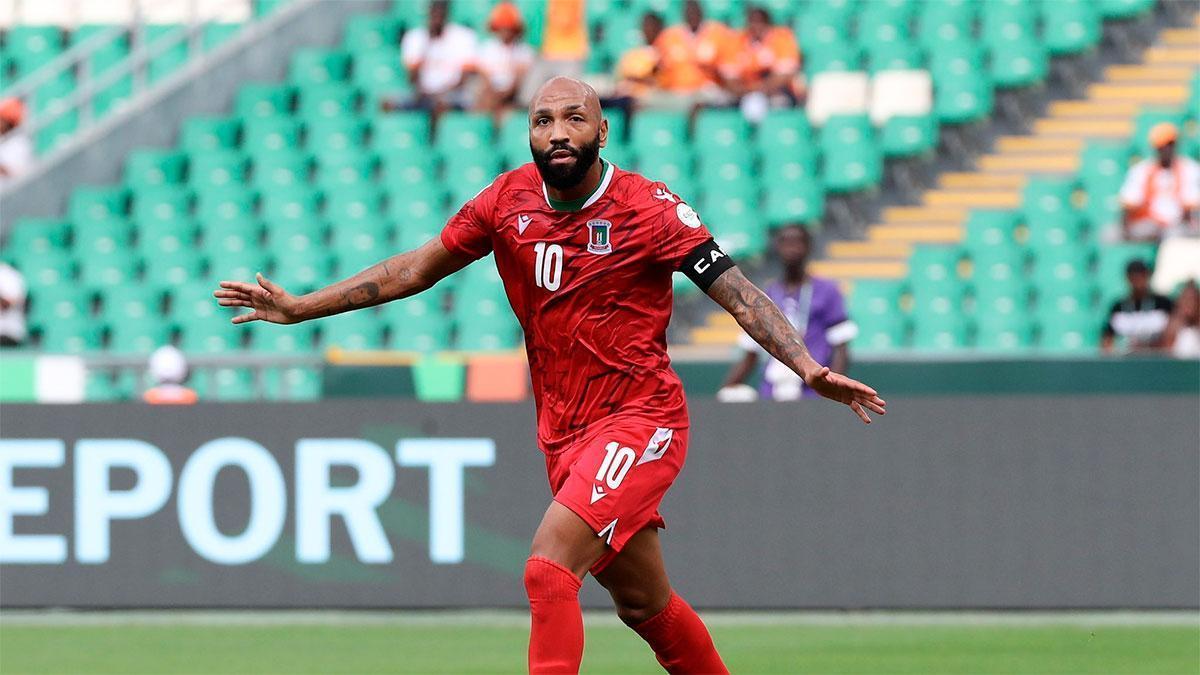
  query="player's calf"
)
[{"x": 556, "y": 629}]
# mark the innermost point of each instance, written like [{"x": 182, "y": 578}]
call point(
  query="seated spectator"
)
[
  {"x": 564, "y": 45},
  {"x": 503, "y": 61},
  {"x": 1182, "y": 336},
  {"x": 814, "y": 306},
  {"x": 686, "y": 76},
  {"x": 169, "y": 370},
  {"x": 1137, "y": 321},
  {"x": 16, "y": 148},
  {"x": 13, "y": 296},
  {"x": 761, "y": 66},
  {"x": 440, "y": 58},
  {"x": 1160, "y": 195},
  {"x": 638, "y": 68}
]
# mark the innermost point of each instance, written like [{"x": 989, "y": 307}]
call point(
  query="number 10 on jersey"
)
[{"x": 548, "y": 265}]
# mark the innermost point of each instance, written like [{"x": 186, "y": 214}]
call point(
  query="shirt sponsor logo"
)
[
  {"x": 598, "y": 237},
  {"x": 687, "y": 215}
]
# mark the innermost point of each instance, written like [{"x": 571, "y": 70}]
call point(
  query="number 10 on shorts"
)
[{"x": 617, "y": 462}]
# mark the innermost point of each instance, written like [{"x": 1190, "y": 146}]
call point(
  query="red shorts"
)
[{"x": 615, "y": 477}]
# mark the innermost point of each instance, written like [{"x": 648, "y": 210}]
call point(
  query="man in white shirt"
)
[
  {"x": 503, "y": 60},
  {"x": 439, "y": 58},
  {"x": 16, "y": 150},
  {"x": 1161, "y": 195},
  {"x": 12, "y": 306}
]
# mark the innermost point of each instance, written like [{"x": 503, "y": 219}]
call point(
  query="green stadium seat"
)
[
  {"x": 138, "y": 336},
  {"x": 57, "y": 132},
  {"x": 1048, "y": 202},
  {"x": 351, "y": 261},
  {"x": 817, "y": 30},
  {"x": 941, "y": 22},
  {"x": 1001, "y": 297},
  {"x": 228, "y": 384},
  {"x": 835, "y": 57},
  {"x": 289, "y": 205},
  {"x": 989, "y": 229},
  {"x": 1061, "y": 265},
  {"x": 1070, "y": 333},
  {"x": 154, "y": 167},
  {"x": 379, "y": 74},
  {"x": 313, "y": 65},
  {"x": 343, "y": 171},
  {"x": 372, "y": 32},
  {"x": 37, "y": 236},
  {"x": 71, "y": 337},
  {"x": 282, "y": 169},
  {"x": 53, "y": 268},
  {"x": 292, "y": 384},
  {"x": 231, "y": 203},
  {"x": 673, "y": 167},
  {"x": 658, "y": 131},
  {"x": 194, "y": 301},
  {"x": 354, "y": 205},
  {"x": 894, "y": 56},
  {"x": 264, "y": 100},
  {"x": 935, "y": 267},
  {"x": 939, "y": 333},
  {"x": 1018, "y": 63},
  {"x": 1012, "y": 333},
  {"x": 171, "y": 270},
  {"x": 334, "y": 135},
  {"x": 166, "y": 238},
  {"x": 277, "y": 339},
  {"x": 96, "y": 271},
  {"x": 261, "y": 135},
  {"x": 880, "y": 25},
  {"x": 167, "y": 61},
  {"x": 801, "y": 202},
  {"x": 354, "y": 331},
  {"x": 303, "y": 271},
  {"x": 1007, "y": 21},
  {"x": 103, "y": 238},
  {"x": 460, "y": 132},
  {"x": 212, "y": 335},
  {"x": 880, "y": 334},
  {"x": 89, "y": 205},
  {"x": 296, "y": 236},
  {"x": 408, "y": 169},
  {"x": 216, "y": 168},
  {"x": 1074, "y": 297},
  {"x": 427, "y": 334},
  {"x": 487, "y": 333},
  {"x": 852, "y": 168},
  {"x": 721, "y": 131},
  {"x": 1070, "y": 27},
  {"x": 726, "y": 166},
  {"x": 735, "y": 219},
  {"x": 58, "y": 303},
  {"x": 209, "y": 133},
  {"x": 332, "y": 100},
  {"x": 400, "y": 132},
  {"x": 102, "y": 387},
  {"x": 468, "y": 173},
  {"x": 166, "y": 203},
  {"x": 230, "y": 237},
  {"x": 237, "y": 266},
  {"x": 909, "y": 136},
  {"x": 31, "y": 46},
  {"x": 134, "y": 302}
]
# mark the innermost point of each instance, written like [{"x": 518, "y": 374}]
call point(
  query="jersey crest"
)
[{"x": 598, "y": 237}]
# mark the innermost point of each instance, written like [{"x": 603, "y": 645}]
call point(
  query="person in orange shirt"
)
[
  {"x": 169, "y": 370},
  {"x": 688, "y": 51},
  {"x": 674, "y": 70},
  {"x": 761, "y": 65}
]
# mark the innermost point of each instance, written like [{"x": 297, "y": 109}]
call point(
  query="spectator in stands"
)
[
  {"x": 503, "y": 61},
  {"x": 13, "y": 296},
  {"x": 684, "y": 61},
  {"x": 440, "y": 59},
  {"x": 1137, "y": 321},
  {"x": 814, "y": 306},
  {"x": 169, "y": 370},
  {"x": 1161, "y": 194},
  {"x": 761, "y": 66},
  {"x": 564, "y": 44},
  {"x": 638, "y": 68},
  {"x": 16, "y": 148},
  {"x": 1182, "y": 336}
]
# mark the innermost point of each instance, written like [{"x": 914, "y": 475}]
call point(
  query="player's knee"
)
[
  {"x": 548, "y": 580},
  {"x": 635, "y": 606}
]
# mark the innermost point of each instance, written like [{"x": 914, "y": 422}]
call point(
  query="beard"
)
[{"x": 565, "y": 177}]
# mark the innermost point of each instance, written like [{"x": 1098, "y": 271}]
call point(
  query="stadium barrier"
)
[{"x": 998, "y": 501}]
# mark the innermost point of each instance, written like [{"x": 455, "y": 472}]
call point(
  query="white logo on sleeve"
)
[
  {"x": 665, "y": 196},
  {"x": 687, "y": 215},
  {"x": 523, "y": 222}
]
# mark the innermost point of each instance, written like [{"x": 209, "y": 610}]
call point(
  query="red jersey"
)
[{"x": 590, "y": 283}]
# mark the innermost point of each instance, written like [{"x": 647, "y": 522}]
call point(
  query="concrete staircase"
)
[{"x": 1053, "y": 146}]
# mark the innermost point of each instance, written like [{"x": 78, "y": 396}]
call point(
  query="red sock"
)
[
  {"x": 680, "y": 640},
  {"x": 556, "y": 635}
]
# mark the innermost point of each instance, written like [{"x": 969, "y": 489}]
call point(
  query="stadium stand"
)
[{"x": 306, "y": 180}]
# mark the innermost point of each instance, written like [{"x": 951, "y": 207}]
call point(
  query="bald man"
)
[{"x": 586, "y": 252}]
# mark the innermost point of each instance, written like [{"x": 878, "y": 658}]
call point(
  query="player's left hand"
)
[{"x": 838, "y": 387}]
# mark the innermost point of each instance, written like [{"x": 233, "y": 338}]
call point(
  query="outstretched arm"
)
[
  {"x": 397, "y": 277},
  {"x": 764, "y": 322}
]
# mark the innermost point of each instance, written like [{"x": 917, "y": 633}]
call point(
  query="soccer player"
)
[{"x": 586, "y": 252}]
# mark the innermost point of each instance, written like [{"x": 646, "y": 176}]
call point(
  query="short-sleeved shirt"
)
[
  {"x": 16, "y": 154},
  {"x": 440, "y": 61},
  {"x": 590, "y": 283},
  {"x": 816, "y": 309},
  {"x": 751, "y": 60},
  {"x": 683, "y": 54},
  {"x": 1162, "y": 194},
  {"x": 501, "y": 62},
  {"x": 1138, "y": 323}
]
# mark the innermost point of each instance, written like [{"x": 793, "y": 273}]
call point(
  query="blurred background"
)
[{"x": 987, "y": 209}]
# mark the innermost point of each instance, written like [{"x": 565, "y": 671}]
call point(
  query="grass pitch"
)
[{"x": 494, "y": 642}]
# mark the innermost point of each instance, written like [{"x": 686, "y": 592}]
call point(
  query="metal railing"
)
[{"x": 89, "y": 86}]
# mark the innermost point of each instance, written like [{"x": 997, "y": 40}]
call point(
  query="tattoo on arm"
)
[{"x": 761, "y": 319}]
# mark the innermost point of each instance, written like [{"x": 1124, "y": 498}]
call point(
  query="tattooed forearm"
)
[
  {"x": 362, "y": 294},
  {"x": 380, "y": 283},
  {"x": 762, "y": 320}
]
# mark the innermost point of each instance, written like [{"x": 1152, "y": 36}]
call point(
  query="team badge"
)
[
  {"x": 687, "y": 215},
  {"x": 598, "y": 241}
]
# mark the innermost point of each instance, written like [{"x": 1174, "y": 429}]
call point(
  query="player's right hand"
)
[{"x": 269, "y": 302}]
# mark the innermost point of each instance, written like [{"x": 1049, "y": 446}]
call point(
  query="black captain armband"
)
[{"x": 705, "y": 263}]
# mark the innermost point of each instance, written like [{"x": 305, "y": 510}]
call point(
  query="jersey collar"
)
[{"x": 583, "y": 202}]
